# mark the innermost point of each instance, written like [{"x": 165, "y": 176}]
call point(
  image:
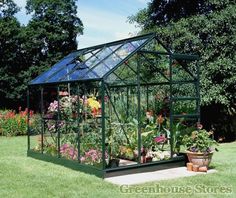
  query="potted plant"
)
[{"x": 199, "y": 147}]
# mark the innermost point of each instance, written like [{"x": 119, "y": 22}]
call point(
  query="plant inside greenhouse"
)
[{"x": 120, "y": 105}]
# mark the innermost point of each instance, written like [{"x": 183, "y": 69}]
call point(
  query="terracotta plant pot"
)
[
  {"x": 202, "y": 169},
  {"x": 195, "y": 168},
  {"x": 190, "y": 166},
  {"x": 200, "y": 159}
]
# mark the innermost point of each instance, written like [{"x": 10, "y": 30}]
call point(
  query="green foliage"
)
[
  {"x": 8, "y": 8},
  {"x": 212, "y": 36},
  {"x": 10, "y": 55},
  {"x": 199, "y": 141},
  {"x": 12, "y": 123},
  {"x": 27, "y": 51}
]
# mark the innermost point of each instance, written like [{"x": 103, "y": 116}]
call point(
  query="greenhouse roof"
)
[{"x": 96, "y": 62}]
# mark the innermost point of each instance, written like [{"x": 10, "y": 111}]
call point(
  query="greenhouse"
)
[{"x": 115, "y": 107}]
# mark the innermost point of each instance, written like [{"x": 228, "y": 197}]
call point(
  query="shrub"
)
[{"x": 12, "y": 123}]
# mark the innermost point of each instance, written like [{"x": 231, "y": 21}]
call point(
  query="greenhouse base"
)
[{"x": 111, "y": 172}]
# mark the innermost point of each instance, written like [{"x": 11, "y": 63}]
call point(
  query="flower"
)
[
  {"x": 93, "y": 103},
  {"x": 199, "y": 126},
  {"x": 53, "y": 107},
  {"x": 69, "y": 151},
  {"x": 160, "y": 139},
  {"x": 93, "y": 156},
  {"x": 160, "y": 119}
]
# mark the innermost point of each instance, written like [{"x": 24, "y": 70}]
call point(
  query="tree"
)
[
  {"x": 7, "y": 9},
  {"x": 161, "y": 12},
  {"x": 49, "y": 36},
  {"x": 57, "y": 23},
  {"x": 212, "y": 35},
  {"x": 52, "y": 32},
  {"x": 9, "y": 51},
  {"x": 26, "y": 51}
]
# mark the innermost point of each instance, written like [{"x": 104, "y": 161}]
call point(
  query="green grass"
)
[{"x": 21, "y": 176}]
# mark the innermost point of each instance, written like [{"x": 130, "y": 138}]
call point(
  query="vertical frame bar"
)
[
  {"x": 127, "y": 102},
  {"x": 28, "y": 118},
  {"x": 103, "y": 124},
  {"x": 171, "y": 107},
  {"x": 147, "y": 97},
  {"x": 139, "y": 109},
  {"x": 42, "y": 120},
  {"x": 198, "y": 92},
  {"x": 78, "y": 123},
  {"x": 58, "y": 120}
]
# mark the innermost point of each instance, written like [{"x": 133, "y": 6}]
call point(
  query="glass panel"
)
[
  {"x": 104, "y": 53},
  {"x": 114, "y": 47},
  {"x": 88, "y": 55},
  {"x": 125, "y": 50},
  {"x": 92, "y": 61},
  {"x": 155, "y": 68},
  {"x": 186, "y": 90},
  {"x": 182, "y": 70},
  {"x": 154, "y": 45},
  {"x": 182, "y": 127},
  {"x": 110, "y": 56},
  {"x": 115, "y": 58},
  {"x": 138, "y": 42},
  {"x": 80, "y": 72},
  {"x": 42, "y": 78},
  {"x": 59, "y": 75},
  {"x": 35, "y": 121},
  {"x": 112, "y": 61},
  {"x": 121, "y": 125},
  {"x": 90, "y": 127},
  {"x": 69, "y": 125},
  {"x": 155, "y": 123},
  {"x": 101, "y": 69},
  {"x": 185, "y": 107}
]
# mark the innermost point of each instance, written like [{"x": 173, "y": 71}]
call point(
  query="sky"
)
[{"x": 104, "y": 20}]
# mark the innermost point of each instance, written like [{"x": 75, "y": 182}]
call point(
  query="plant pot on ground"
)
[
  {"x": 201, "y": 159},
  {"x": 199, "y": 147}
]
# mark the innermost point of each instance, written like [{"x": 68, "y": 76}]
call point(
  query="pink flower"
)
[
  {"x": 82, "y": 159},
  {"x": 199, "y": 126},
  {"x": 160, "y": 139}
]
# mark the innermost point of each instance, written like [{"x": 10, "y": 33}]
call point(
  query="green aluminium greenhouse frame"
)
[{"x": 99, "y": 65}]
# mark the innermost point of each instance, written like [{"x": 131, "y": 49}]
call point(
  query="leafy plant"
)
[
  {"x": 199, "y": 141},
  {"x": 13, "y": 123}
]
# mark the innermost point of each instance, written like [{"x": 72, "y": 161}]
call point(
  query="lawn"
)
[{"x": 21, "y": 176}]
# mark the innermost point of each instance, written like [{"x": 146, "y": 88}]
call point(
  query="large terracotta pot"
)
[{"x": 201, "y": 159}]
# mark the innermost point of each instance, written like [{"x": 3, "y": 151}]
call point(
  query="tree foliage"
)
[
  {"x": 8, "y": 8},
  {"x": 212, "y": 35},
  {"x": 9, "y": 50},
  {"x": 27, "y": 51}
]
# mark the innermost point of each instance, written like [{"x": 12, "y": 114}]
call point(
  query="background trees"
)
[
  {"x": 28, "y": 50},
  {"x": 208, "y": 29},
  {"x": 9, "y": 51}
]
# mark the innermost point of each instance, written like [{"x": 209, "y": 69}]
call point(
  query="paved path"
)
[{"x": 138, "y": 178}]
